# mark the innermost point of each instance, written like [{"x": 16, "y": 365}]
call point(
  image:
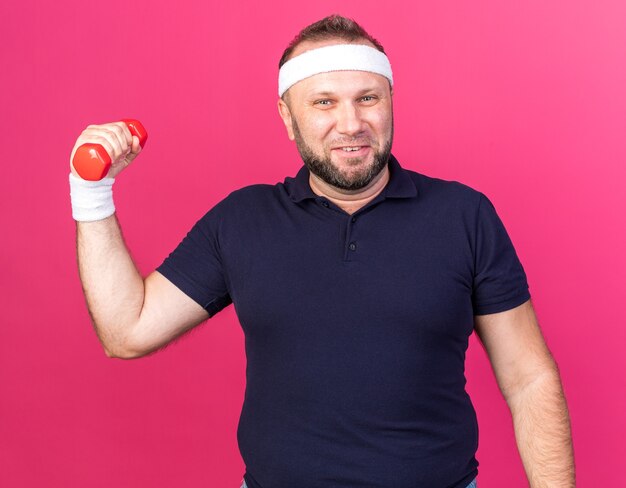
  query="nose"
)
[{"x": 349, "y": 119}]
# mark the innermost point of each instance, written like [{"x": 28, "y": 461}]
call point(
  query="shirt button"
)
[
  {"x": 325, "y": 203},
  {"x": 352, "y": 246},
  {"x": 353, "y": 219}
]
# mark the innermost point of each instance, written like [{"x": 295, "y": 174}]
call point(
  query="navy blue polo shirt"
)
[{"x": 355, "y": 326}]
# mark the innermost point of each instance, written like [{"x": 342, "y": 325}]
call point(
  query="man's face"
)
[{"x": 342, "y": 123}]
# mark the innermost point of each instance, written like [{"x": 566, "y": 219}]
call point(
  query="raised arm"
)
[
  {"x": 131, "y": 316},
  {"x": 530, "y": 382}
]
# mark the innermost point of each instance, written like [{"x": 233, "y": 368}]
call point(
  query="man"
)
[{"x": 357, "y": 284}]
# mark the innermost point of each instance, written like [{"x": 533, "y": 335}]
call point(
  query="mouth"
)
[{"x": 351, "y": 151}]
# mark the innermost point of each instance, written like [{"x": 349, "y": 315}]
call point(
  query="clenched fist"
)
[{"x": 116, "y": 139}]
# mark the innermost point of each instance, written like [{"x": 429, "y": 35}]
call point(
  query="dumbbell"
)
[{"x": 92, "y": 162}]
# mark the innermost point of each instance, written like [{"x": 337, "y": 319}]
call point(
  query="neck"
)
[{"x": 350, "y": 201}]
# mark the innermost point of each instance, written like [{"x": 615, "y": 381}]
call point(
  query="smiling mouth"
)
[{"x": 352, "y": 150}]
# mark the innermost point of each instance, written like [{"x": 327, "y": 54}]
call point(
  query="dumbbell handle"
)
[{"x": 92, "y": 162}]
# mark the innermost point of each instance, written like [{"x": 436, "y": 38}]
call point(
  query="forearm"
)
[
  {"x": 543, "y": 433},
  {"x": 113, "y": 287}
]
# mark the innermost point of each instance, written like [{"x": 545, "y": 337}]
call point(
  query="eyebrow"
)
[{"x": 326, "y": 93}]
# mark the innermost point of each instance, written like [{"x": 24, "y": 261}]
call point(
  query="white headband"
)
[{"x": 338, "y": 57}]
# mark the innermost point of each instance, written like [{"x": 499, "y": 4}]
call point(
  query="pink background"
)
[{"x": 524, "y": 101}]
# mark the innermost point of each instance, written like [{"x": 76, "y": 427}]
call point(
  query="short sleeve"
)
[
  {"x": 499, "y": 279},
  {"x": 195, "y": 266}
]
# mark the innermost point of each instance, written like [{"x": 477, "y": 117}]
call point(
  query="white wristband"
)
[{"x": 91, "y": 200}]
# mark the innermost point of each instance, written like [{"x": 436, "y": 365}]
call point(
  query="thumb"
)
[
  {"x": 135, "y": 146},
  {"x": 135, "y": 149}
]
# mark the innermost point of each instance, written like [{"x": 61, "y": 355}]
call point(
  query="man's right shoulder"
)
[
  {"x": 255, "y": 194},
  {"x": 248, "y": 200}
]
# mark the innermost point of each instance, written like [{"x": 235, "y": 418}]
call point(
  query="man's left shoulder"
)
[{"x": 438, "y": 190}]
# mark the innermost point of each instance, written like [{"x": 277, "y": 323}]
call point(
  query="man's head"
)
[
  {"x": 333, "y": 27},
  {"x": 341, "y": 117}
]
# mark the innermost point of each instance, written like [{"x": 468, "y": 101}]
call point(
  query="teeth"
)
[{"x": 350, "y": 149}]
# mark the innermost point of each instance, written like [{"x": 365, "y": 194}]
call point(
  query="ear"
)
[{"x": 285, "y": 114}]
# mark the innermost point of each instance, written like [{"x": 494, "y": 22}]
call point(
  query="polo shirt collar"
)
[{"x": 400, "y": 184}]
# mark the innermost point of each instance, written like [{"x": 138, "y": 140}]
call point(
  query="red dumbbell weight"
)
[{"x": 92, "y": 162}]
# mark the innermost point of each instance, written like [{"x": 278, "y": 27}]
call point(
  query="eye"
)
[
  {"x": 368, "y": 98},
  {"x": 323, "y": 102}
]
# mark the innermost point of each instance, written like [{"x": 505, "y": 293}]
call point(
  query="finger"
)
[
  {"x": 125, "y": 131},
  {"x": 100, "y": 138},
  {"x": 91, "y": 133},
  {"x": 118, "y": 130},
  {"x": 136, "y": 146},
  {"x": 115, "y": 135}
]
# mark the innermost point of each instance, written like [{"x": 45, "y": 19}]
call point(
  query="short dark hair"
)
[{"x": 331, "y": 27}]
